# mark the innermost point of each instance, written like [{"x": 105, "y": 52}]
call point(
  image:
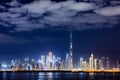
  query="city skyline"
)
[
  {"x": 75, "y": 56},
  {"x": 35, "y": 27},
  {"x": 51, "y": 62}
]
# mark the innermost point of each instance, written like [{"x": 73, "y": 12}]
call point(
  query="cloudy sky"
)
[{"x": 35, "y": 27}]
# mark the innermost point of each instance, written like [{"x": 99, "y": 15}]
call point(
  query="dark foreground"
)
[{"x": 58, "y": 76}]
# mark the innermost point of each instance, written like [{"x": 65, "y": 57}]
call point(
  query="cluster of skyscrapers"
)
[
  {"x": 94, "y": 64},
  {"x": 51, "y": 62}
]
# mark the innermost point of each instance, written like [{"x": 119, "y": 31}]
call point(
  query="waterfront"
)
[{"x": 58, "y": 76}]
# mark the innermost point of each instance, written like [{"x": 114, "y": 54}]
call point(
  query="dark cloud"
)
[{"x": 50, "y": 14}]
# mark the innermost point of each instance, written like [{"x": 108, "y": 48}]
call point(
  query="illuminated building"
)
[
  {"x": 81, "y": 63},
  {"x": 12, "y": 64},
  {"x": 50, "y": 56},
  {"x": 70, "y": 53},
  {"x": 118, "y": 64},
  {"x": 91, "y": 62},
  {"x": 50, "y": 60},
  {"x": 60, "y": 65},
  {"x": 4, "y": 66},
  {"x": 107, "y": 63},
  {"x": 54, "y": 62},
  {"x": 67, "y": 61},
  {"x": 26, "y": 63},
  {"x": 96, "y": 64},
  {"x": 43, "y": 62},
  {"x": 33, "y": 64},
  {"x": 102, "y": 63},
  {"x": 47, "y": 63},
  {"x": 84, "y": 65}
]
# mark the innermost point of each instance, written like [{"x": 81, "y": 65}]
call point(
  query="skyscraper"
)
[
  {"x": 91, "y": 62},
  {"x": 81, "y": 63},
  {"x": 84, "y": 65},
  {"x": 107, "y": 63},
  {"x": 70, "y": 52},
  {"x": 118, "y": 64},
  {"x": 43, "y": 61},
  {"x": 67, "y": 61},
  {"x": 96, "y": 64},
  {"x": 104, "y": 63}
]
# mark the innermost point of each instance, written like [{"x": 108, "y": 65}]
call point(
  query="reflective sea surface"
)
[{"x": 58, "y": 76}]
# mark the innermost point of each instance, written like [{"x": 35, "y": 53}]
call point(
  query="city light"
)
[{"x": 52, "y": 62}]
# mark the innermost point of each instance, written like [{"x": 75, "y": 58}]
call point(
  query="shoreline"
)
[{"x": 76, "y": 71}]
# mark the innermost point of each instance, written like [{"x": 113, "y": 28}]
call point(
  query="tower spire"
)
[
  {"x": 71, "y": 42},
  {"x": 70, "y": 52}
]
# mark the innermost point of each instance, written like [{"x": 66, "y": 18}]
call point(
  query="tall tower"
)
[
  {"x": 107, "y": 63},
  {"x": 91, "y": 62},
  {"x": 70, "y": 52}
]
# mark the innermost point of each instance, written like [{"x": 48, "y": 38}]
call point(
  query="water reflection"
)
[
  {"x": 4, "y": 75},
  {"x": 44, "y": 76},
  {"x": 58, "y": 76},
  {"x": 41, "y": 76},
  {"x": 81, "y": 75},
  {"x": 50, "y": 76},
  {"x": 91, "y": 76}
]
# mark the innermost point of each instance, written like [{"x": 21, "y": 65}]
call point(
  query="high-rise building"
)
[
  {"x": 54, "y": 62},
  {"x": 102, "y": 66},
  {"x": 91, "y": 62},
  {"x": 43, "y": 62},
  {"x": 107, "y": 63},
  {"x": 47, "y": 63},
  {"x": 81, "y": 63},
  {"x": 84, "y": 65},
  {"x": 50, "y": 56},
  {"x": 96, "y": 64},
  {"x": 67, "y": 61},
  {"x": 70, "y": 52},
  {"x": 118, "y": 64}
]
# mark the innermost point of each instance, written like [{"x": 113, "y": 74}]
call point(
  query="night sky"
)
[{"x": 35, "y": 27}]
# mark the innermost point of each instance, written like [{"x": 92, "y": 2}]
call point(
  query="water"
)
[{"x": 58, "y": 76}]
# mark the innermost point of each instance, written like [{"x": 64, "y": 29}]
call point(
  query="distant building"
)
[
  {"x": 105, "y": 63},
  {"x": 43, "y": 62},
  {"x": 67, "y": 61},
  {"x": 70, "y": 65},
  {"x": 96, "y": 64},
  {"x": 84, "y": 65},
  {"x": 81, "y": 63},
  {"x": 91, "y": 62},
  {"x": 118, "y": 64},
  {"x": 102, "y": 66}
]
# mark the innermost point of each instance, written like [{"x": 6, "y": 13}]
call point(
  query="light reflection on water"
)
[
  {"x": 42, "y": 76},
  {"x": 50, "y": 75},
  {"x": 4, "y": 75},
  {"x": 91, "y": 76},
  {"x": 58, "y": 76}
]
